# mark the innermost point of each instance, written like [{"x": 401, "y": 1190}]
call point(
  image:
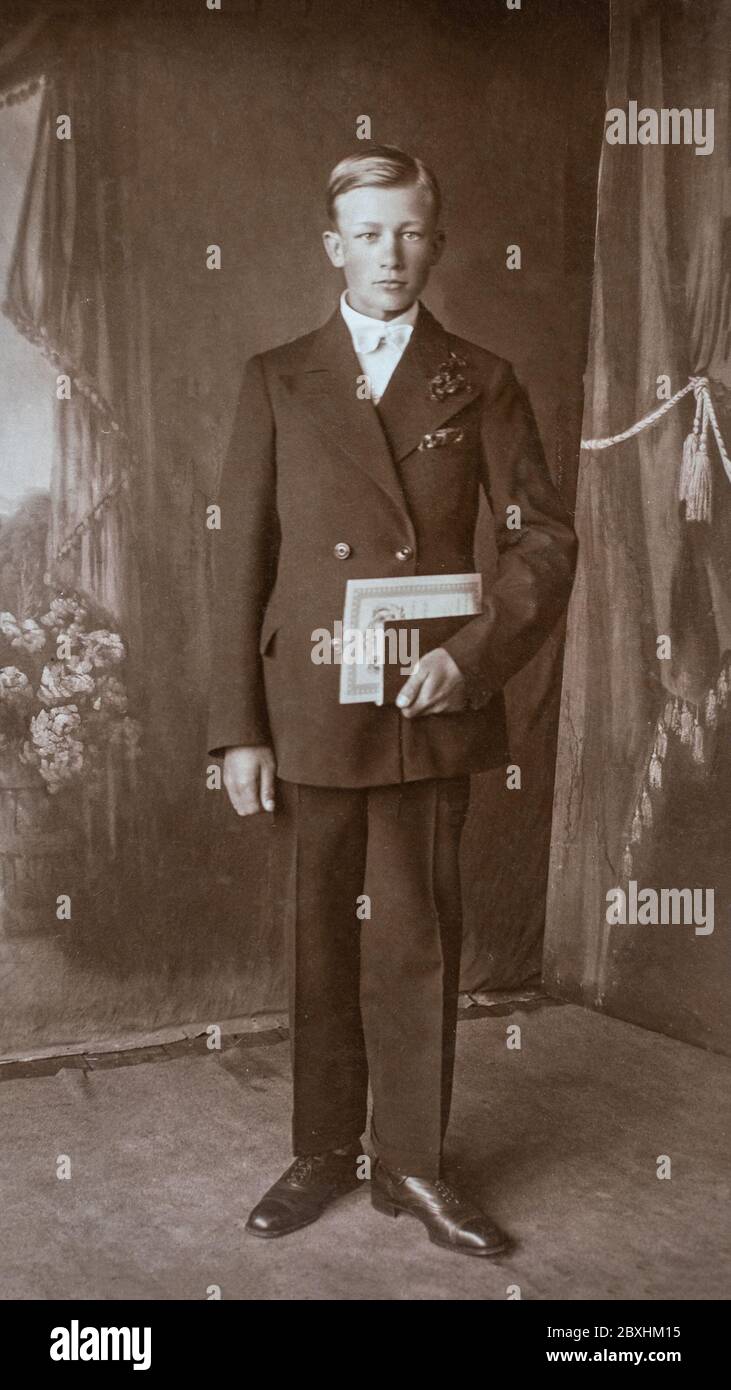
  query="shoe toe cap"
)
[
  {"x": 481, "y": 1237},
  {"x": 269, "y": 1216}
]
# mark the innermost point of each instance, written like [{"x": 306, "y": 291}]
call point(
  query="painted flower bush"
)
[{"x": 63, "y": 702}]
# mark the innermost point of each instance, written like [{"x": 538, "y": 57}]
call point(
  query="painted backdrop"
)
[{"x": 192, "y": 127}]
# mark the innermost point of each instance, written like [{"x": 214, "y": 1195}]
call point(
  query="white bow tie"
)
[{"x": 391, "y": 335}]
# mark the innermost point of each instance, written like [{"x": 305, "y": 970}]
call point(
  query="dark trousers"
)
[{"x": 373, "y": 981}]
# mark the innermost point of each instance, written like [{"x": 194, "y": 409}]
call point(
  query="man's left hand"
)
[{"x": 435, "y": 686}]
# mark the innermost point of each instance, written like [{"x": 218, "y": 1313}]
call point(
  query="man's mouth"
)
[{"x": 391, "y": 284}]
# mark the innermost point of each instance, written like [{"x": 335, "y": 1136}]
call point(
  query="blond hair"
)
[{"x": 381, "y": 165}]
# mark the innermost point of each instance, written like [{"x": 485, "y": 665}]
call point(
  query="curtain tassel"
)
[
  {"x": 686, "y": 725},
  {"x": 655, "y": 772},
  {"x": 695, "y": 473},
  {"x": 646, "y": 808}
]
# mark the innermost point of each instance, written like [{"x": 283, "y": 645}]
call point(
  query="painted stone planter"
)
[{"x": 36, "y": 850}]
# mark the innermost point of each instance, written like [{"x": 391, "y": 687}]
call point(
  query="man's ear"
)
[
  {"x": 438, "y": 241},
  {"x": 334, "y": 246}
]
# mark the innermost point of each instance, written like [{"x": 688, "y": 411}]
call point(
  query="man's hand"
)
[
  {"x": 435, "y": 686},
  {"x": 248, "y": 776}
]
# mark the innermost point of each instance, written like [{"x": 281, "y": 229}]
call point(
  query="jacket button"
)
[
  {"x": 404, "y": 553},
  {"x": 341, "y": 551}
]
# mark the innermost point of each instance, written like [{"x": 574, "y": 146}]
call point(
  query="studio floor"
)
[{"x": 560, "y": 1140}]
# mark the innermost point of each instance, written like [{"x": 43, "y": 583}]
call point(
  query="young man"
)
[{"x": 358, "y": 452}]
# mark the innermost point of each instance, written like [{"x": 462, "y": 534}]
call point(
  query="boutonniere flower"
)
[{"x": 448, "y": 379}]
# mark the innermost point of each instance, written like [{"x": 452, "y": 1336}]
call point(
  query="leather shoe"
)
[
  {"x": 451, "y": 1221},
  {"x": 303, "y": 1192}
]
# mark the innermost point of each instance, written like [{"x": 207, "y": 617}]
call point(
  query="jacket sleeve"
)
[
  {"x": 245, "y": 553},
  {"x": 536, "y": 562}
]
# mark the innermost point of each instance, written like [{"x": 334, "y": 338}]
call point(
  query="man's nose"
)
[{"x": 390, "y": 252}]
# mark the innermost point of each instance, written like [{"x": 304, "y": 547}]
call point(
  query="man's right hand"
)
[{"x": 248, "y": 776}]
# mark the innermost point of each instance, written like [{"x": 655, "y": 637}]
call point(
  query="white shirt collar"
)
[{"x": 355, "y": 319}]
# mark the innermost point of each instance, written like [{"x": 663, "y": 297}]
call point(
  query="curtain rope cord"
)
[{"x": 700, "y": 387}]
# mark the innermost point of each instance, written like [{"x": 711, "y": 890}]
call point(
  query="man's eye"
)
[
  {"x": 414, "y": 236},
  {"x": 365, "y": 236}
]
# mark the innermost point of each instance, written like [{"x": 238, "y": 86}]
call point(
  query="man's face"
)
[{"x": 386, "y": 242}]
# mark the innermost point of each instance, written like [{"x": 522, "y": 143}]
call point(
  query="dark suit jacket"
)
[{"x": 313, "y": 472}]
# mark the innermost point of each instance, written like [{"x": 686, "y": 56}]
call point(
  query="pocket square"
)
[{"x": 439, "y": 438}]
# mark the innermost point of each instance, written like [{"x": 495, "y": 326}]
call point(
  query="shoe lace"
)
[
  {"x": 301, "y": 1169},
  {"x": 445, "y": 1191}
]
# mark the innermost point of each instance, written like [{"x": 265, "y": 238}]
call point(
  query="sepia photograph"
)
[{"x": 365, "y": 665}]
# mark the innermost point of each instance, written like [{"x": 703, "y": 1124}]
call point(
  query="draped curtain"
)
[
  {"x": 642, "y": 788},
  {"x": 72, "y": 290}
]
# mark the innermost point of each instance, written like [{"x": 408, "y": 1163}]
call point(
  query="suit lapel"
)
[
  {"x": 377, "y": 438},
  {"x": 407, "y": 408},
  {"x": 326, "y": 389}
]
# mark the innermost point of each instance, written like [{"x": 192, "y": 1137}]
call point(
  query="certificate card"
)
[{"x": 371, "y": 603}]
